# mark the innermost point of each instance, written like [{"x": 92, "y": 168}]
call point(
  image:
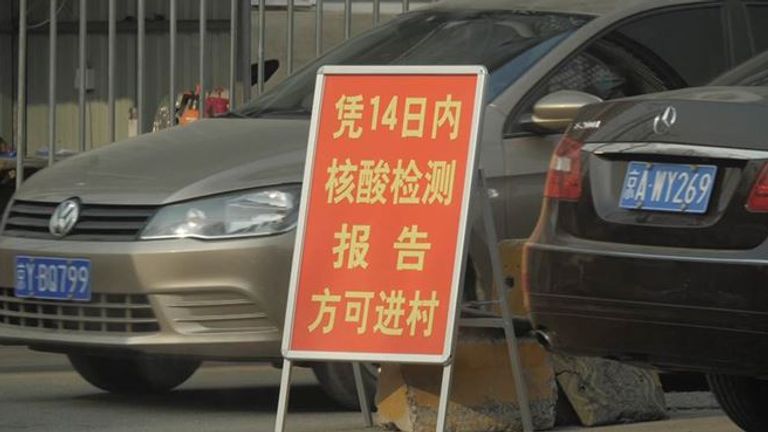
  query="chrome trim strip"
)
[
  {"x": 675, "y": 150},
  {"x": 639, "y": 255}
]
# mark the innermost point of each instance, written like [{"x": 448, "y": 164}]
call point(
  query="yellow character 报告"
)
[
  {"x": 412, "y": 247},
  {"x": 352, "y": 246}
]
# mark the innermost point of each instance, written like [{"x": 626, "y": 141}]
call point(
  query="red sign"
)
[{"x": 380, "y": 243}]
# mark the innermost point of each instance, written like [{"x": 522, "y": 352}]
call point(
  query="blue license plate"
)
[
  {"x": 666, "y": 187},
  {"x": 53, "y": 278}
]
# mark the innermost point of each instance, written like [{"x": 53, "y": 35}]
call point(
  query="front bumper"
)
[
  {"x": 675, "y": 311},
  {"x": 203, "y": 299}
]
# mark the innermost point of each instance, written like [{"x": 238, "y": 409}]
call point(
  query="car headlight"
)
[{"x": 243, "y": 214}]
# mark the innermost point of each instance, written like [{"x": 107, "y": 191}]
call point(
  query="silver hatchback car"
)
[{"x": 142, "y": 259}]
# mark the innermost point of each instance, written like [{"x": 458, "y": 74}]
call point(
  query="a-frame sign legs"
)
[
  {"x": 285, "y": 393},
  {"x": 480, "y": 196},
  {"x": 447, "y": 379},
  {"x": 445, "y": 396},
  {"x": 506, "y": 314},
  {"x": 361, "y": 395},
  {"x": 452, "y": 144}
]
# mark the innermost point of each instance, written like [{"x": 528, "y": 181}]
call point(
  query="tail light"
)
[
  {"x": 564, "y": 176},
  {"x": 758, "y": 197}
]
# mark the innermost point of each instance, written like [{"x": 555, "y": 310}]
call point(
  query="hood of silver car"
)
[{"x": 205, "y": 158}]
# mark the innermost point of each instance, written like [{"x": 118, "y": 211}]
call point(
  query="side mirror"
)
[{"x": 555, "y": 111}]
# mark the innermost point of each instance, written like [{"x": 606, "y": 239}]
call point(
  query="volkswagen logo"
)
[
  {"x": 663, "y": 122},
  {"x": 64, "y": 217}
]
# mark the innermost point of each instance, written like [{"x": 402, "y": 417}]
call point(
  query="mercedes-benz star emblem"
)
[
  {"x": 663, "y": 122},
  {"x": 64, "y": 217}
]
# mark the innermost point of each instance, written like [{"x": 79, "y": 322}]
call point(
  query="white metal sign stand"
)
[
  {"x": 478, "y": 195},
  {"x": 507, "y": 322}
]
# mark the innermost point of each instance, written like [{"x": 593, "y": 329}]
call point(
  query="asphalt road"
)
[{"x": 38, "y": 392}]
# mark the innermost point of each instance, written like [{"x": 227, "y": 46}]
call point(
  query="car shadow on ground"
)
[{"x": 304, "y": 398}]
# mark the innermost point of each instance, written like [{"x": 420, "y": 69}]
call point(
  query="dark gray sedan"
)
[{"x": 652, "y": 246}]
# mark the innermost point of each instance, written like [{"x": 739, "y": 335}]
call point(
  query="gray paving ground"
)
[{"x": 38, "y": 392}]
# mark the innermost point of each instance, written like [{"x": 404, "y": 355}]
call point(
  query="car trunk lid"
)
[{"x": 676, "y": 179}]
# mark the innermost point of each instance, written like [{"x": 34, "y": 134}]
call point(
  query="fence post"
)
[
  {"x": 289, "y": 37},
  {"x": 201, "y": 104},
  {"x": 22, "y": 94},
  {"x": 245, "y": 49},
  {"x": 112, "y": 36},
  {"x": 172, "y": 72},
  {"x": 52, "y": 39},
  {"x": 140, "y": 45},
  {"x": 232, "y": 52},
  {"x": 347, "y": 19},
  {"x": 262, "y": 44},
  {"x": 376, "y": 12},
  {"x": 318, "y": 28},
  {"x": 83, "y": 31}
]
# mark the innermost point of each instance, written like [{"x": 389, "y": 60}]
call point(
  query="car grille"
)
[
  {"x": 97, "y": 222},
  {"x": 105, "y": 313}
]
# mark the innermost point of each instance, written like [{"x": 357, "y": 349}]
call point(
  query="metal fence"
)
[{"x": 232, "y": 21}]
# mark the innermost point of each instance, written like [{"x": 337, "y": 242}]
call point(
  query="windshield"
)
[
  {"x": 507, "y": 43},
  {"x": 753, "y": 72}
]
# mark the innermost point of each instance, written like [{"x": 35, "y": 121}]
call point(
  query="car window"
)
[
  {"x": 761, "y": 81},
  {"x": 589, "y": 74},
  {"x": 507, "y": 43},
  {"x": 690, "y": 41},
  {"x": 605, "y": 70},
  {"x": 650, "y": 54},
  {"x": 758, "y": 18},
  {"x": 753, "y": 72}
]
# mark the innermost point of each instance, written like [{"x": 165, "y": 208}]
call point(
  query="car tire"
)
[
  {"x": 133, "y": 375},
  {"x": 338, "y": 382},
  {"x": 743, "y": 399}
]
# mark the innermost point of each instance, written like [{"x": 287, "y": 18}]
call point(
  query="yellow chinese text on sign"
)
[{"x": 380, "y": 242}]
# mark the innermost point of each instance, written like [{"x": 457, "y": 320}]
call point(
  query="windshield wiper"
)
[
  {"x": 283, "y": 112},
  {"x": 234, "y": 114},
  {"x": 277, "y": 112}
]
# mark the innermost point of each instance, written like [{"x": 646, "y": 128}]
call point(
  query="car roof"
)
[{"x": 584, "y": 7}]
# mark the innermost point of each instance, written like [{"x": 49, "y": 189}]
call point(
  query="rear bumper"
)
[{"x": 681, "y": 312}]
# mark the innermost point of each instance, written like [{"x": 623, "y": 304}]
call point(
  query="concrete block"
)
[
  {"x": 483, "y": 397},
  {"x": 608, "y": 392},
  {"x": 511, "y": 255}
]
